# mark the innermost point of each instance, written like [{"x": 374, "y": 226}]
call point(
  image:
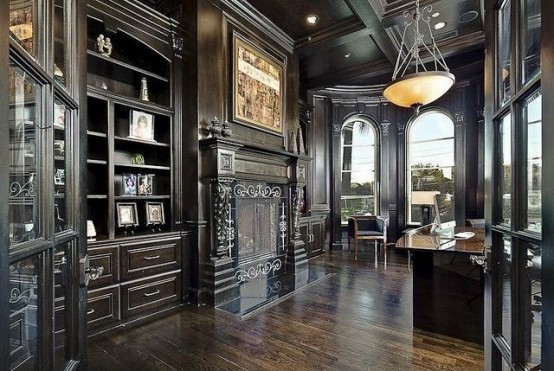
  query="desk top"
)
[{"x": 421, "y": 239}]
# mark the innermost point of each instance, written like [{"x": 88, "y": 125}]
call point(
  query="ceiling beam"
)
[
  {"x": 337, "y": 34},
  {"x": 345, "y": 76},
  {"x": 367, "y": 15}
]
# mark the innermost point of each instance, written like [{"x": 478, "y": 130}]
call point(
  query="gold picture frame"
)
[{"x": 258, "y": 87}]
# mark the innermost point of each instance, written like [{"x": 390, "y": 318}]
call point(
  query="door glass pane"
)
[
  {"x": 60, "y": 42},
  {"x": 504, "y": 35},
  {"x": 505, "y": 169},
  {"x": 61, "y": 121},
  {"x": 533, "y": 307},
  {"x": 506, "y": 291},
  {"x": 533, "y": 115},
  {"x": 532, "y": 39},
  {"x": 24, "y": 117},
  {"x": 24, "y": 308},
  {"x": 60, "y": 282},
  {"x": 23, "y": 24}
]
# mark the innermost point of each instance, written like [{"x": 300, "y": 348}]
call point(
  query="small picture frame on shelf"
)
[
  {"x": 59, "y": 147},
  {"x": 145, "y": 184},
  {"x": 126, "y": 214},
  {"x": 129, "y": 182},
  {"x": 59, "y": 116},
  {"x": 59, "y": 177},
  {"x": 141, "y": 125},
  {"x": 155, "y": 213}
]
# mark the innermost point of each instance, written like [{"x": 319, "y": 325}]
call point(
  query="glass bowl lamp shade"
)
[
  {"x": 425, "y": 85},
  {"x": 418, "y": 89}
]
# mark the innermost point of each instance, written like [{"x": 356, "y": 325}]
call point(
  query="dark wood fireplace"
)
[{"x": 253, "y": 213}]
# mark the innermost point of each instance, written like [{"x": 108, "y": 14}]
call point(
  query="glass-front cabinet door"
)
[
  {"x": 514, "y": 152},
  {"x": 39, "y": 168}
]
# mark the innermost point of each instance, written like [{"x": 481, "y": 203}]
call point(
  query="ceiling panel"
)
[{"x": 290, "y": 15}]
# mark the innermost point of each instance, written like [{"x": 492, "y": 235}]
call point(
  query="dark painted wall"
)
[
  {"x": 209, "y": 95},
  {"x": 463, "y": 102}
]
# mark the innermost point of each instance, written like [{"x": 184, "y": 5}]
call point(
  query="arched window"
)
[
  {"x": 430, "y": 160},
  {"x": 359, "y": 176}
]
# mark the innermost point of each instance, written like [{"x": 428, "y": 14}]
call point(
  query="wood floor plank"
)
[{"x": 358, "y": 319}]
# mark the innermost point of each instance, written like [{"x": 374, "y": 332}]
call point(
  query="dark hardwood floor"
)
[{"x": 357, "y": 318}]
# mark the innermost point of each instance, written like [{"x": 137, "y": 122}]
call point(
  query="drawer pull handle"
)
[
  {"x": 147, "y": 294},
  {"x": 151, "y": 257},
  {"x": 90, "y": 311}
]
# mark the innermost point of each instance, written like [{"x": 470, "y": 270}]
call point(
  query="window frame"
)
[
  {"x": 408, "y": 173},
  {"x": 374, "y": 127}
]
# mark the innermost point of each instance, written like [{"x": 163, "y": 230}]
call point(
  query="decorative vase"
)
[
  {"x": 300, "y": 138},
  {"x": 226, "y": 131},
  {"x": 293, "y": 145}
]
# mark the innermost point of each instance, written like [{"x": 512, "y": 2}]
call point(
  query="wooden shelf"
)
[
  {"x": 147, "y": 142},
  {"x": 150, "y": 167},
  {"x": 148, "y": 197},
  {"x": 96, "y": 134},
  {"x": 97, "y": 162},
  {"x": 126, "y": 66},
  {"x": 97, "y": 197},
  {"x": 132, "y": 102}
]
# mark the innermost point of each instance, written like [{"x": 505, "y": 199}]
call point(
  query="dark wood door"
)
[
  {"x": 41, "y": 233},
  {"x": 518, "y": 188}
]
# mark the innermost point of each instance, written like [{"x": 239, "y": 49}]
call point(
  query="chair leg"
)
[{"x": 355, "y": 248}]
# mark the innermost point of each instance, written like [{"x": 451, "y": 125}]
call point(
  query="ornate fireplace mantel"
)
[{"x": 253, "y": 206}]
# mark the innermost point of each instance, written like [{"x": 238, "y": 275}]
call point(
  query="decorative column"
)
[
  {"x": 218, "y": 268},
  {"x": 297, "y": 260}
]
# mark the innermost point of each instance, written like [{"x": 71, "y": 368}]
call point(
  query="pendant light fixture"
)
[{"x": 424, "y": 85}]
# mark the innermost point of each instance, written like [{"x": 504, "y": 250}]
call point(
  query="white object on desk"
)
[{"x": 464, "y": 235}]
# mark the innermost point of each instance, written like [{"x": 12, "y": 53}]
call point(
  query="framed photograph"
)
[
  {"x": 126, "y": 214},
  {"x": 59, "y": 177},
  {"x": 141, "y": 125},
  {"x": 155, "y": 213},
  {"x": 258, "y": 87},
  {"x": 129, "y": 182},
  {"x": 145, "y": 184}
]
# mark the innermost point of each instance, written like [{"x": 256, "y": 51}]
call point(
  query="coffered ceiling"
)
[{"x": 355, "y": 42}]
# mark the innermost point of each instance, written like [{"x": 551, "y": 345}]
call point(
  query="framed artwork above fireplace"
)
[{"x": 258, "y": 87}]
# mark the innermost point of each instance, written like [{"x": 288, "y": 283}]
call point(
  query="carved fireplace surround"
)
[{"x": 252, "y": 208}]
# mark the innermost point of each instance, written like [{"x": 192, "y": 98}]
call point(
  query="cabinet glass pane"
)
[
  {"x": 531, "y": 39},
  {"x": 24, "y": 308},
  {"x": 533, "y": 116},
  {"x": 61, "y": 121},
  {"x": 60, "y": 41},
  {"x": 504, "y": 35},
  {"x": 24, "y": 117},
  {"x": 534, "y": 306},
  {"x": 505, "y": 270},
  {"x": 505, "y": 169},
  {"x": 23, "y": 24}
]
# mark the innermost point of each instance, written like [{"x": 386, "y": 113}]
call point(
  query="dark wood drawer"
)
[
  {"x": 142, "y": 295},
  {"x": 102, "y": 306},
  {"x": 107, "y": 257},
  {"x": 141, "y": 259}
]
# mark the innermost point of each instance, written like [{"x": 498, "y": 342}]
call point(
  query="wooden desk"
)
[{"x": 448, "y": 295}]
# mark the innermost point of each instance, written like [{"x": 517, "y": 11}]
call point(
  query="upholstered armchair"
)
[{"x": 367, "y": 227}]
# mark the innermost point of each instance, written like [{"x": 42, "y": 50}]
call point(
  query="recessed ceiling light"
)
[
  {"x": 435, "y": 15},
  {"x": 312, "y": 19},
  {"x": 468, "y": 16},
  {"x": 439, "y": 25},
  {"x": 347, "y": 55}
]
